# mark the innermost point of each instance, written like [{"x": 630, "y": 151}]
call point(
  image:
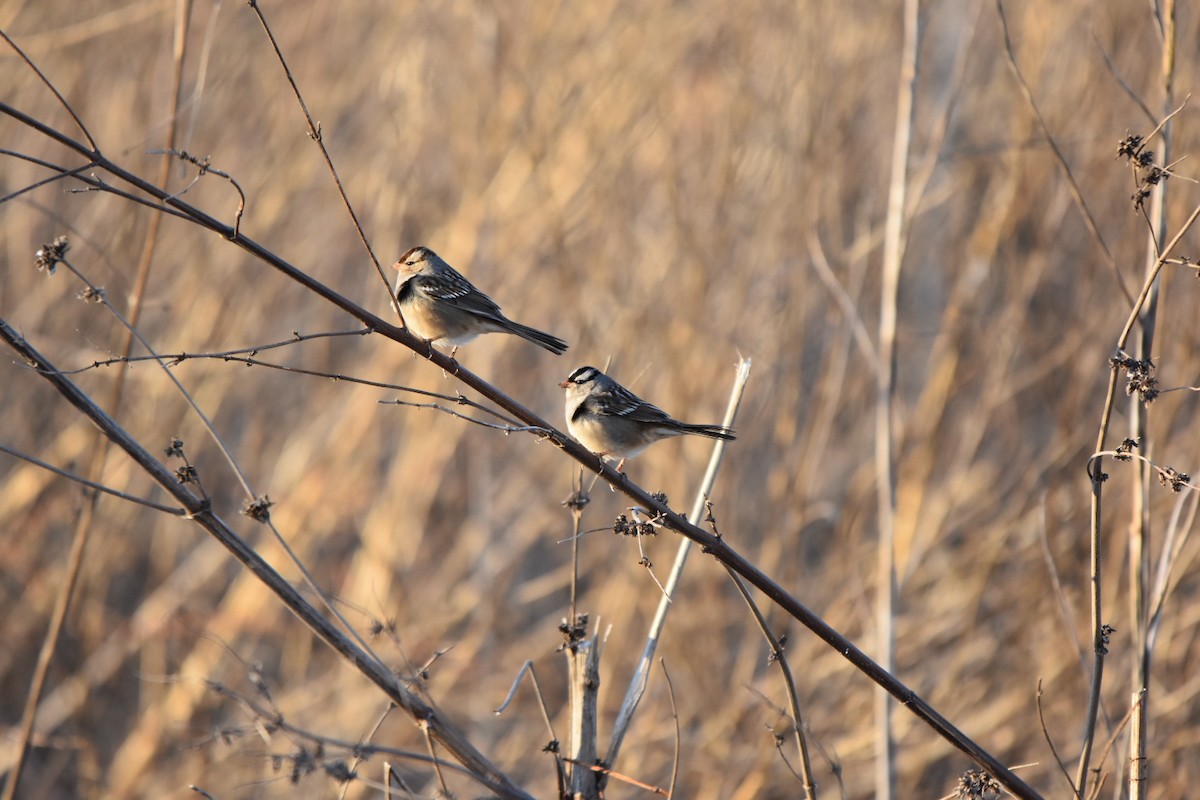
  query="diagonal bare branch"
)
[{"x": 200, "y": 511}]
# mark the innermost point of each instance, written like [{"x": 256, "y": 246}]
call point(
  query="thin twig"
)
[
  {"x": 204, "y": 167},
  {"x": 1059, "y": 592},
  {"x": 1060, "y": 159},
  {"x": 527, "y": 669},
  {"x": 392, "y": 779},
  {"x": 1099, "y": 638},
  {"x": 314, "y": 133},
  {"x": 510, "y": 427},
  {"x": 820, "y": 264},
  {"x": 62, "y": 173},
  {"x": 508, "y": 424},
  {"x": 95, "y": 292},
  {"x": 61, "y": 100},
  {"x": 1095, "y": 472},
  {"x": 257, "y": 712},
  {"x": 1178, "y": 534},
  {"x": 361, "y": 757},
  {"x": 1162, "y": 123},
  {"x": 1168, "y": 476},
  {"x": 608, "y": 772},
  {"x": 96, "y": 184},
  {"x": 662, "y": 662},
  {"x": 1123, "y": 339},
  {"x": 1050, "y": 741},
  {"x": 99, "y": 487},
  {"x": 644, "y": 560},
  {"x": 437, "y": 767},
  {"x": 1116, "y": 76},
  {"x": 554, "y": 746},
  {"x": 777, "y": 656},
  {"x": 296, "y": 338}
]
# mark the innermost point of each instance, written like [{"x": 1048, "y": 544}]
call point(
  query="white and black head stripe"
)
[{"x": 583, "y": 375}]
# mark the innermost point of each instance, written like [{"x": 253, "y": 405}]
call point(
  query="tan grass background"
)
[{"x": 651, "y": 182}]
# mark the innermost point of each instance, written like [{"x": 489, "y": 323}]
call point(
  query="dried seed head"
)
[{"x": 48, "y": 257}]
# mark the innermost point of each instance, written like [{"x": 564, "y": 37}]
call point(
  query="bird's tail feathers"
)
[
  {"x": 711, "y": 431},
  {"x": 552, "y": 343}
]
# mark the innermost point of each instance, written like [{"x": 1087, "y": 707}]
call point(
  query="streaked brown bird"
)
[{"x": 440, "y": 305}]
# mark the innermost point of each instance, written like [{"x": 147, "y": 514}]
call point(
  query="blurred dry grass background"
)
[{"x": 651, "y": 182}]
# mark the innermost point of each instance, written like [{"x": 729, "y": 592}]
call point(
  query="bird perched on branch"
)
[
  {"x": 440, "y": 305},
  {"x": 610, "y": 420}
]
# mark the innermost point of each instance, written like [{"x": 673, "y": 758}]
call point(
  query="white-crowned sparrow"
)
[
  {"x": 610, "y": 420},
  {"x": 440, "y": 305}
]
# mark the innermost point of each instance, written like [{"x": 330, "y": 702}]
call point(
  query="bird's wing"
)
[
  {"x": 453, "y": 288},
  {"x": 620, "y": 402}
]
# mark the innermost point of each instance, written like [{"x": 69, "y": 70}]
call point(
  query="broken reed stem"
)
[{"x": 583, "y": 663}]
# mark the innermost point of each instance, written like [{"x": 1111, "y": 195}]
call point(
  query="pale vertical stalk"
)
[
  {"x": 637, "y": 684},
  {"x": 1138, "y": 774},
  {"x": 893, "y": 256},
  {"x": 1139, "y": 527}
]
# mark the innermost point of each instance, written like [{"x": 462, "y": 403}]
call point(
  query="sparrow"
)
[
  {"x": 610, "y": 420},
  {"x": 440, "y": 305}
]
